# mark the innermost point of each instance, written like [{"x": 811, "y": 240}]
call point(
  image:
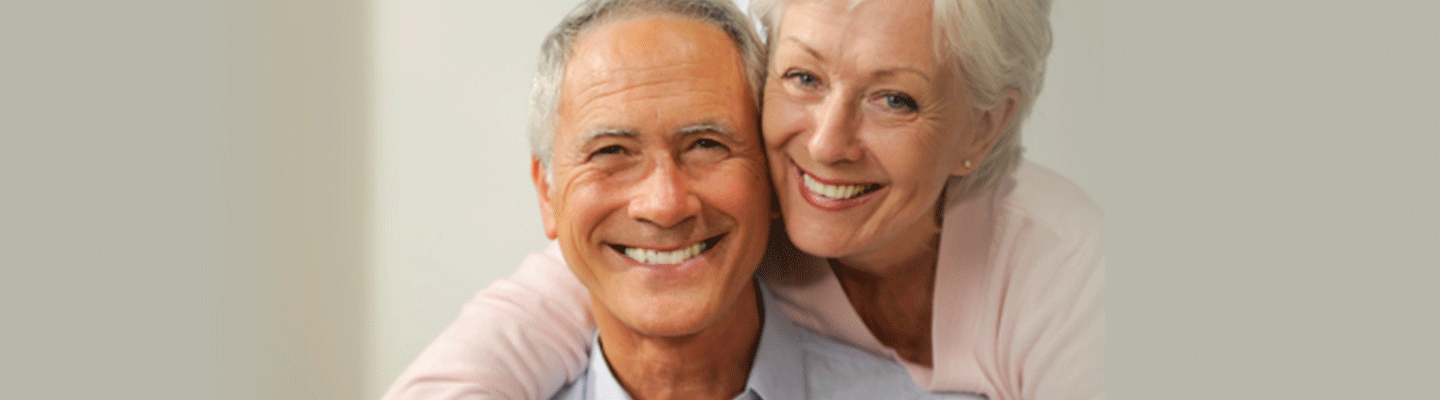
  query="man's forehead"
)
[
  {"x": 649, "y": 42},
  {"x": 669, "y": 108},
  {"x": 678, "y": 35},
  {"x": 661, "y": 74}
]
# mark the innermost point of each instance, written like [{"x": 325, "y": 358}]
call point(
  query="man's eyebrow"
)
[
  {"x": 607, "y": 131},
  {"x": 692, "y": 129},
  {"x": 707, "y": 127}
]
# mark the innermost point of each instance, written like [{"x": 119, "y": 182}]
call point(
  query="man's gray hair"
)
[
  {"x": 998, "y": 45},
  {"x": 555, "y": 52}
]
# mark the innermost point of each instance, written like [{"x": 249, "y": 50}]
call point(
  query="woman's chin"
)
[{"x": 821, "y": 240}]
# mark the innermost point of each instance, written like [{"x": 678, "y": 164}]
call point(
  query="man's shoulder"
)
[
  {"x": 835, "y": 370},
  {"x": 574, "y": 390},
  {"x": 824, "y": 355}
]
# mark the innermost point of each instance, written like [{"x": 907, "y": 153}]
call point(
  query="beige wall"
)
[
  {"x": 186, "y": 196},
  {"x": 454, "y": 206}
]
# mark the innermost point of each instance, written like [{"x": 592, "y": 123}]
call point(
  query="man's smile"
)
[{"x": 675, "y": 256}]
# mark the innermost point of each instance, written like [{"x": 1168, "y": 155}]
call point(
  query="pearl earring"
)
[{"x": 966, "y": 163}]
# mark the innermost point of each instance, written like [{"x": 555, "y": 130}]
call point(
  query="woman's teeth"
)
[
  {"x": 837, "y": 192},
  {"x": 665, "y": 257}
]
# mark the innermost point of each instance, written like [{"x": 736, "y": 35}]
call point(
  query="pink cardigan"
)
[{"x": 1019, "y": 308}]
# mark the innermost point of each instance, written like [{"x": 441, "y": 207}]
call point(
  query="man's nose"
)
[
  {"x": 664, "y": 198},
  {"x": 835, "y": 137}
]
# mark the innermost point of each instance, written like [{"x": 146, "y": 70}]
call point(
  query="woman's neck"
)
[{"x": 894, "y": 294}]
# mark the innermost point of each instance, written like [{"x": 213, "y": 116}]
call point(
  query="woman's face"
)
[{"x": 863, "y": 125}]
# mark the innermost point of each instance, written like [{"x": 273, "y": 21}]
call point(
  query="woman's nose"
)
[{"x": 834, "y": 139}]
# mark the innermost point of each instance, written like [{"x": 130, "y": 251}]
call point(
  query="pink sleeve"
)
[
  {"x": 1048, "y": 341},
  {"x": 1067, "y": 360},
  {"x": 523, "y": 337}
]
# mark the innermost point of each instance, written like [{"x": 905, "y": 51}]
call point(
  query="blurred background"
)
[{"x": 289, "y": 200}]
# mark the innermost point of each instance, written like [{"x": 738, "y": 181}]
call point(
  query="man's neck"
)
[{"x": 711, "y": 364}]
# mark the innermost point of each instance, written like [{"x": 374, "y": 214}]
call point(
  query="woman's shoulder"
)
[{"x": 1047, "y": 198}]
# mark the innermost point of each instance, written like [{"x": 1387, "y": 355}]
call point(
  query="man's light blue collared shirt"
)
[{"x": 791, "y": 363}]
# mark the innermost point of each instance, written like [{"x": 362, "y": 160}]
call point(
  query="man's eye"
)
[
  {"x": 709, "y": 144},
  {"x": 704, "y": 151},
  {"x": 609, "y": 150}
]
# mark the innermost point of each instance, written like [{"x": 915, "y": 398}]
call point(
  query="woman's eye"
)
[
  {"x": 896, "y": 101},
  {"x": 804, "y": 79}
]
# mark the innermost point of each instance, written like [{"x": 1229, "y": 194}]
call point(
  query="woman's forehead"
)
[{"x": 876, "y": 35}]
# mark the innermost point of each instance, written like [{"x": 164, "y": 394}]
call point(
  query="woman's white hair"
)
[
  {"x": 999, "y": 45},
  {"x": 555, "y": 52}
]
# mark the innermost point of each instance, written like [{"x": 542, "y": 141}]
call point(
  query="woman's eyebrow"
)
[
  {"x": 893, "y": 71},
  {"x": 805, "y": 47},
  {"x": 880, "y": 73}
]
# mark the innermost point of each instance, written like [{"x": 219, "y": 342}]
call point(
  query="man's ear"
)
[
  {"x": 986, "y": 131},
  {"x": 542, "y": 191}
]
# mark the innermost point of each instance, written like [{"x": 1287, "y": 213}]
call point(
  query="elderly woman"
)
[{"x": 893, "y": 134}]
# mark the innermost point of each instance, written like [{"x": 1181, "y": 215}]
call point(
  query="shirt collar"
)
[
  {"x": 779, "y": 370},
  {"x": 777, "y": 373},
  {"x": 602, "y": 383}
]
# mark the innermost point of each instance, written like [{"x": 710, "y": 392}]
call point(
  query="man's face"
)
[{"x": 660, "y": 198}]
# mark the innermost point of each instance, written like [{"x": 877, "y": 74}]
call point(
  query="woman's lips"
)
[{"x": 833, "y": 195}]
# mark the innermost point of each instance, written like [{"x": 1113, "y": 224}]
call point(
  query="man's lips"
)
[{"x": 676, "y": 255}]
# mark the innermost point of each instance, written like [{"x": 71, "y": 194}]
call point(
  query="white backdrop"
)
[{"x": 454, "y": 207}]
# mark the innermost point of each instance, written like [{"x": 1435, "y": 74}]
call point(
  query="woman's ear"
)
[
  {"x": 986, "y": 132},
  {"x": 542, "y": 191}
]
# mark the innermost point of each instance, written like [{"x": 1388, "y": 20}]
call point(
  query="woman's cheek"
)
[{"x": 781, "y": 120}]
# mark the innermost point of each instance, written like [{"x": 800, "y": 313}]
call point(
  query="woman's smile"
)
[{"x": 832, "y": 194}]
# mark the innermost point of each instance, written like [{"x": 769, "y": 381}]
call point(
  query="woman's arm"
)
[
  {"x": 1049, "y": 343},
  {"x": 523, "y": 337},
  {"x": 1067, "y": 360}
]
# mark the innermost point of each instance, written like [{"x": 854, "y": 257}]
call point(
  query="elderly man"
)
[
  {"x": 656, "y": 191},
  {"x": 651, "y": 177}
]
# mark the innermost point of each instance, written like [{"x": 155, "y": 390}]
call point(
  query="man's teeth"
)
[
  {"x": 645, "y": 256},
  {"x": 837, "y": 192}
]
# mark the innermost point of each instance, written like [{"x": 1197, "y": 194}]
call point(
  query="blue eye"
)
[
  {"x": 802, "y": 78},
  {"x": 897, "y": 101}
]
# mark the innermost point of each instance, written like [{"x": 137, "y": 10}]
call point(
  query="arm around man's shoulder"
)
[{"x": 522, "y": 337}]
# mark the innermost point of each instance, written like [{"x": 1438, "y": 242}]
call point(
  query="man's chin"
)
[
  {"x": 673, "y": 318},
  {"x": 673, "y": 329}
]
